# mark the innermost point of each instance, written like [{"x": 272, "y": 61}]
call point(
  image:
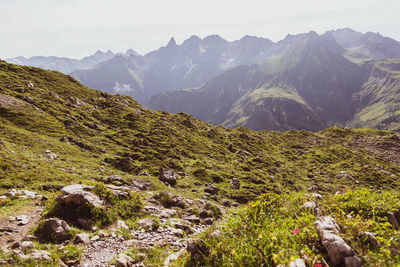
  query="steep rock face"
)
[
  {"x": 310, "y": 85},
  {"x": 174, "y": 66}
]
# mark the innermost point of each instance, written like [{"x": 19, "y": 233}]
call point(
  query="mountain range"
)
[{"x": 305, "y": 81}]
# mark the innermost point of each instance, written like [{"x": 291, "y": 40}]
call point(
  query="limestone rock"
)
[
  {"x": 310, "y": 206},
  {"x": 82, "y": 238},
  {"x": 124, "y": 261},
  {"x": 40, "y": 255},
  {"x": 122, "y": 225},
  {"x": 76, "y": 195},
  {"x": 168, "y": 177},
  {"x": 54, "y": 230},
  {"x": 211, "y": 189},
  {"x": 235, "y": 183},
  {"x": 297, "y": 263}
]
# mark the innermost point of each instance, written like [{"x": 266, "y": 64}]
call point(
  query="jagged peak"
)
[{"x": 171, "y": 42}]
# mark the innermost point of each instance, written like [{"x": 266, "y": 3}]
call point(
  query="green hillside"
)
[{"x": 95, "y": 135}]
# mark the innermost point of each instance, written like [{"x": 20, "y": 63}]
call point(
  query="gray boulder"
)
[
  {"x": 211, "y": 189},
  {"x": 339, "y": 252},
  {"x": 82, "y": 238},
  {"x": 168, "y": 177},
  {"x": 54, "y": 230},
  {"x": 235, "y": 183},
  {"x": 76, "y": 195}
]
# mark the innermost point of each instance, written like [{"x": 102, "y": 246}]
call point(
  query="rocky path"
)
[{"x": 15, "y": 228}]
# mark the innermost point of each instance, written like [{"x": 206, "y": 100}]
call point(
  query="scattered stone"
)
[
  {"x": 226, "y": 203},
  {"x": 95, "y": 238},
  {"x": 144, "y": 173},
  {"x": 176, "y": 232},
  {"x": 122, "y": 225},
  {"x": 22, "y": 194},
  {"x": 211, "y": 189},
  {"x": 148, "y": 224},
  {"x": 168, "y": 213},
  {"x": 193, "y": 219},
  {"x": 115, "y": 179},
  {"x": 142, "y": 185},
  {"x": 40, "y": 255},
  {"x": 297, "y": 263},
  {"x": 76, "y": 195},
  {"x": 82, "y": 238},
  {"x": 311, "y": 207},
  {"x": 317, "y": 196},
  {"x": 313, "y": 188},
  {"x": 54, "y": 230},
  {"x": 27, "y": 245},
  {"x": 168, "y": 177},
  {"x": 338, "y": 250},
  {"x": 235, "y": 183},
  {"x": 124, "y": 261},
  {"x": 22, "y": 219},
  {"x": 50, "y": 154}
]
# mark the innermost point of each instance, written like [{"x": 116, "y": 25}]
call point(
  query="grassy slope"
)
[
  {"x": 87, "y": 129},
  {"x": 379, "y": 107},
  {"x": 152, "y": 139}
]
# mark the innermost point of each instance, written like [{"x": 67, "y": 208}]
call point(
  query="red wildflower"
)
[
  {"x": 296, "y": 231},
  {"x": 248, "y": 204},
  {"x": 318, "y": 265},
  {"x": 344, "y": 190}
]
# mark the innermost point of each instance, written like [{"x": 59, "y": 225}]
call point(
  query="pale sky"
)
[{"x": 77, "y": 28}]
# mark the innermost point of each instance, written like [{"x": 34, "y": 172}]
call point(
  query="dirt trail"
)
[{"x": 11, "y": 231}]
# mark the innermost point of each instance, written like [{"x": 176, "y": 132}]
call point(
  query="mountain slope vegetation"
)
[{"x": 57, "y": 132}]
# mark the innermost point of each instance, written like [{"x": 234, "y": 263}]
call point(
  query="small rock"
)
[
  {"x": 27, "y": 245},
  {"x": 226, "y": 203},
  {"x": 211, "y": 189},
  {"x": 297, "y": 263},
  {"x": 54, "y": 230},
  {"x": 168, "y": 213},
  {"x": 40, "y": 255},
  {"x": 124, "y": 261},
  {"x": 317, "y": 196},
  {"x": 50, "y": 154},
  {"x": 122, "y": 224},
  {"x": 95, "y": 238},
  {"x": 235, "y": 183},
  {"x": 148, "y": 224},
  {"x": 310, "y": 206},
  {"x": 82, "y": 238},
  {"x": 313, "y": 188},
  {"x": 193, "y": 219},
  {"x": 168, "y": 177},
  {"x": 22, "y": 219}
]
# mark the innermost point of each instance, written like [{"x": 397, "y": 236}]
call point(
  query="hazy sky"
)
[{"x": 76, "y": 28}]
